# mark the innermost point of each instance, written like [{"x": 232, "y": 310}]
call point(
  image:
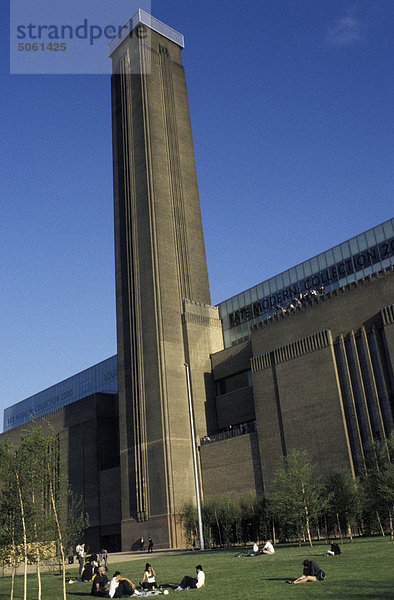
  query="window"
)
[{"x": 233, "y": 382}]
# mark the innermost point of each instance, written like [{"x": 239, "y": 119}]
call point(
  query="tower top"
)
[{"x": 140, "y": 16}]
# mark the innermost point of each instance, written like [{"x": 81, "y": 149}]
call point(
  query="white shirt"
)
[
  {"x": 268, "y": 546},
  {"x": 112, "y": 587},
  {"x": 150, "y": 577},
  {"x": 200, "y": 579},
  {"x": 255, "y": 548},
  {"x": 79, "y": 550}
]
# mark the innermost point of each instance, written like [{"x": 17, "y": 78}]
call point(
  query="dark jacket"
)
[
  {"x": 336, "y": 549},
  {"x": 312, "y": 569}
]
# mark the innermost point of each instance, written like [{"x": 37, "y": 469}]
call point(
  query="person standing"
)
[
  {"x": 103, "y": 558},
  {"x": 80, "y": 550},
  {"x": 150, "y": 544}
]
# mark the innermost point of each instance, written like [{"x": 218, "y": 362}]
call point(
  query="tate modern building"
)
[{"x": 316, "y": 339}]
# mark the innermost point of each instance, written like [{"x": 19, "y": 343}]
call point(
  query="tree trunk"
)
[
  {"x": 38, "y": 563},
  {"x": 380, "y": 523},
  {"x": 391, "y": 525},
  {"x": 36, "y": 543},
  {"x": 308, "y": 530},
  {"x": 339, "y": 528},
  {"x": 12, "y": 581},
  {"x": 24, "y": 534},
  {"x": 59, "y": 533},
  {"x": 13, "y": 561},
  {"x": 349, "y": 529},
  {"x": 219, "y": 532}
]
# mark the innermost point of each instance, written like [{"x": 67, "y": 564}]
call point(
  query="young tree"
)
[
  {"x": 386, "y": 492},
  {"x": 189, "y": 520},
  {"x": 36, "y": 503},
  {"x": 69, "y": 517},
  {"x": 344, "y": 507},
  {"x": 33, "y": 448},
  {"x": 211, "y": 523},
  {"x": 265, "y": 518},
  {"x": 14, "y": 469},
  {"x": 230, "y": 520},
  {"x": 249, "y": 518},
  {"x": 256, "y": 518},
  {"x": 10, "y": 522},
  {"x": 296, "y": 496},
  {"x": 376, "y": 484}
]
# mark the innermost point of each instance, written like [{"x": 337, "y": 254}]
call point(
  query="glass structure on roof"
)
[
  {"x": 349, "y": 261},
  {"x": 102, "y": 377}
]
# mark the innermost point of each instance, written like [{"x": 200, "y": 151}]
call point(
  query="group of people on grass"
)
[
  {"x": 120, "y": 587},
  {"x": 89, "y": 565},
  {"x": 267, "y": 548},
  {"x": 311, "y": 571}
]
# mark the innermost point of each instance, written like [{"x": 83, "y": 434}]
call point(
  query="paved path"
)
[{"x": 114, "y": 557}]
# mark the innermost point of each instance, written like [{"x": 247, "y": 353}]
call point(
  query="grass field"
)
[{"x": 364, "y": 570}]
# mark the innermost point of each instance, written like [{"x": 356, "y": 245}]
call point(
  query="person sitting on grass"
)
[
  {"x": 192, "y": 582},
  {"x": 335, "y": 550},
  {"x": 255, "y": 550},
  {"x": 87, "y": 571},
  {"x": 312, "y": 572},
  {"x": 121, "y": 586},
  {"x": 268, "y": 548},
  {"x": 149, "y": 580},
  {"x": 100, "y": 584}
]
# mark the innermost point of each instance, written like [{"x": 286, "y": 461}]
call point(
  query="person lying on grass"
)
[{"x": 312, "y": 572}]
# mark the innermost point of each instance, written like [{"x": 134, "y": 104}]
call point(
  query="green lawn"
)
[{"x": 364, "y": 570}]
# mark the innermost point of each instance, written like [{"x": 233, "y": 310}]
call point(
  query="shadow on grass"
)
[
  {"x": 74, "y": 592},
  {"x": 277, "y": 578}
]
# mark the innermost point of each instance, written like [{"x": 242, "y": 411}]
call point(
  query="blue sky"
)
[{"x": 291, "y": 108}]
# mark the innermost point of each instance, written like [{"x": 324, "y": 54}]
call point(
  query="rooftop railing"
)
[{"x": 146, "y": 19}]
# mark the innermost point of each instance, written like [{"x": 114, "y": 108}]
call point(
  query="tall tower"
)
[{"x": 164, "y": 317}]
